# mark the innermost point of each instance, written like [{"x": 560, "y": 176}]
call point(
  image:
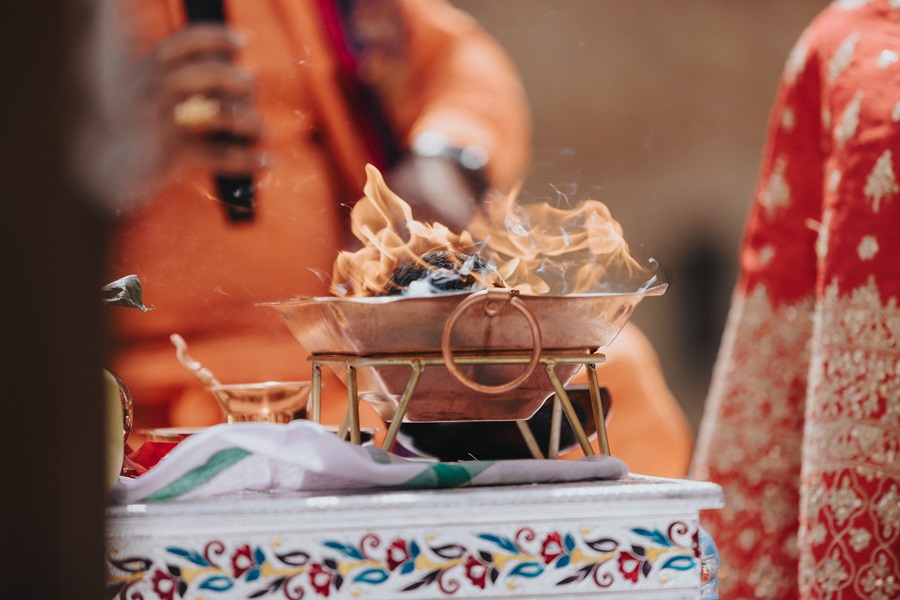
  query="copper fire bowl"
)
[{"x": 491, "y": 322}]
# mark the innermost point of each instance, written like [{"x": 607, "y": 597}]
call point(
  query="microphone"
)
[{"x": 235, "y": 191}]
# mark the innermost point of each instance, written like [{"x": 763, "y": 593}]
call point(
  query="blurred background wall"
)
[{"x": 659, "y": 110}]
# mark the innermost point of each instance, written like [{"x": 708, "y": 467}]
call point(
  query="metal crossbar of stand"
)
[{"x": 418, "y": 363}]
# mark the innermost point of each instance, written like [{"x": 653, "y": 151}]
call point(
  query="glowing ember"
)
[{"x": 538, "y": 250}]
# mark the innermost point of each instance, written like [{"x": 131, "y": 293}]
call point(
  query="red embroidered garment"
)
[{"x": 803, "y": 421}]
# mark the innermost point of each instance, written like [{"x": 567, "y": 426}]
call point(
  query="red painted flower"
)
[
  {"x": 397, "y": 554},
  {"x": 320, "y": 579},
  {"x": 242, "y": 561},
  {"x": 552, "y": 548},
  {"x": 476, "y": 571},
  {"x": 164, "y": 585},
  {"x": 629, "y": 566}
]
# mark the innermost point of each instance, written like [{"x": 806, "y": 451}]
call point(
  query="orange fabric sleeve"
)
[{"x": 464, "y": 85}]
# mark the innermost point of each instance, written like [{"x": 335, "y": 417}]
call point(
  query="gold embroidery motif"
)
[
  {"x": 849, "y": 121},
  {"x": 832, "y": 573},
  {"x": 881, "y": 183},
  {"x": 850, "y": 4},
  {"x": 843, "y": 57},
  {"x": 887, "y": 58},
  {"x": 765, "y": 254},
  {"x": 822, "y": 229},
  {"x": 877, "y": 580},
  {"x": 777, "y": 193},
  {"x": 848, "y": 344},
  {"x": 834, "y": 180},
  {"x": 859, "y": 539},
  {"x": 796, "y": 61},
  {"x": 868, "y": 247},
  {"x": 788, "y": 119},
  {"x": 852, "y": 438}
]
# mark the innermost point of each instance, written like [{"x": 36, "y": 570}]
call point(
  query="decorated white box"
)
[{"x": 632, "y": 538}]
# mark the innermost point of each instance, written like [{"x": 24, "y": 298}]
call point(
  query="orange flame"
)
[{"x": 539, "y": 249}]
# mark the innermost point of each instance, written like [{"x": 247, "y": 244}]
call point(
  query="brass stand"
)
[{"x": 418, "y": 363}]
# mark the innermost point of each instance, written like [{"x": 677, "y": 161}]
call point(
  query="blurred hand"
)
[
  {"x": 187, "y": 105},
  {"x": 436, "y": 189}
]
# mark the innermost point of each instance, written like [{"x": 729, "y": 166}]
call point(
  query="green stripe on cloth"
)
[
  {"x": 445, "y": 475},
  {"x": 196, "y": 477}
]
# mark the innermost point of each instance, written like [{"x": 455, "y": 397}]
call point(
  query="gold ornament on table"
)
[
  {"x": 118, "y": 408},
  {"x": 266, "y": 402}
]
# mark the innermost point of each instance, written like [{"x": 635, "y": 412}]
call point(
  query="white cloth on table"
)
[{"x": 304, "y": 456}]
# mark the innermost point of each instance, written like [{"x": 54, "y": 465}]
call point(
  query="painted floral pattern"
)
[{"x": 484, "y": 562}]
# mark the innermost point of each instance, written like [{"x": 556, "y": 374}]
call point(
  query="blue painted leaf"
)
[
  {"x": 569, "y": 542},
  {"x": 253, "y": 574},
  {"x": 563, "y": 561},
  {"x": 655, "y": 535},
  {"x": 191, "y": 555},
  {"x": 504, "y": 543},
  {"x": 373, "y": 576},
  {"x": 217, "y": 583},
  {"x": 345, "y": 549},
  {"x": 527, "y": 569},
  {"x": 408, "y": 567},
  {"x": 258, "y": 556},
  {"x": 414, "y": 550},
  {"x": 679, "y": 563}
]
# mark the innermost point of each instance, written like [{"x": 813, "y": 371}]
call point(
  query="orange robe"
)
[{"x": 204, "y": 275}]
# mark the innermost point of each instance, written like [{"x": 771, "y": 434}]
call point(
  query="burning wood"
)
[
  {"x": 538, "y": 250},
  {"x": 440, "y": 271}
]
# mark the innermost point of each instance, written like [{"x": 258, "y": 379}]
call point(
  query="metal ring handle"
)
[{"x": 447, "y": 351}]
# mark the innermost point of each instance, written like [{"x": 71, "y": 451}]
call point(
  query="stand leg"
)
[
  {"x": 596, "y": 404},
  {"x": 555, "y": 424},
  {"x": 345, "y": 424},
  {"x": 315, "y": 397},
  {"x": 404, "y": 404},
  {"x": 528, "y": 436},
  {"x": 574, "y": 421},
  {"x": 353, "y": 405}
]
